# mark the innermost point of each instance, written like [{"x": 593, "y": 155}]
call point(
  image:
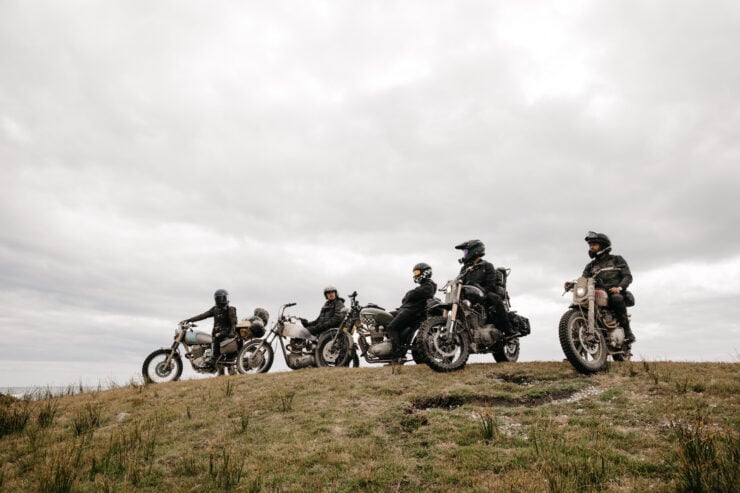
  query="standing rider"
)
[
  {"x": 482, "y": 274},
  {"x": 412, "y": 306},
  {"x": 224, "y": 322},
  {"x": 615, "y": 282},
  {"x": 331, "y": 313}
]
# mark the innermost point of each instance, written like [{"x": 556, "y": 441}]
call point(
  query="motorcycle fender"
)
[{"x": 440, "y": 307}]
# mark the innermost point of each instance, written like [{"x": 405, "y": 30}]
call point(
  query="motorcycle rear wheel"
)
[
  {"x": 441, "y": 355},
  {"x": 333, "y": 349},
  {"x": 256, "y": 356},
  {"x": 154, "y": 369},
  {"x": 586, "y": 352},
  {"x": 507, "y": 351}
]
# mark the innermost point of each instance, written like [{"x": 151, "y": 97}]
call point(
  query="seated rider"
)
[
  {"x": 413, "y": 307},
  {"x": 224, "y": 322},
  {"x": 331, "y": 313},
  {"x": 615, "y": 282},
  {"x": 483, "y": 275}
]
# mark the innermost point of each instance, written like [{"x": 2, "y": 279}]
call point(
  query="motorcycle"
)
[
  {"x": 589, "y": 331},
  {"x": 297, "y": 343},
  {"x": 165, "y": 365},
  {"x": 448, "y": 340},
  {"x": 336, "y": 347}
]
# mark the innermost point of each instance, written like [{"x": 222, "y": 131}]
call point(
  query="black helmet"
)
[
  {"x": 601, "y": 239},
  {"x": 472, "y": 250},
  {"x": 263, "y": 314},
  {"x": 422, "y": 271},
  {"x": 221, "y": 296},
  {"x": 330, "y": 289}
]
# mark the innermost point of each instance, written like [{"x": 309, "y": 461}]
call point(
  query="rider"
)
[
  {"x": 224, "y": 322},
  {"x": 331, "y": 313},
  {"x": 615, "y": 282},
  {"x": 412, "y": 306},
  {"x": 482, "y": 274}
]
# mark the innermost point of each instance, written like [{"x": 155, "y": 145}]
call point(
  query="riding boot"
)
[{"x": 629, "y": 337}]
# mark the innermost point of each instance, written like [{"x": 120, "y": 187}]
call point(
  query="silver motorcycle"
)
[
  {"x": 296, "y": 343},
  {"x": 165, "y": 365},
  {"x": 589, "y": 331}
]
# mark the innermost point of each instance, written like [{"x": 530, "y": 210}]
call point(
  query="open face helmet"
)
[
  {"x": 602, "y": 240},
  {"x": 330, "y": 289},
  {"x": 472, "y": 250},
  {"x": 422, "y": 271}
]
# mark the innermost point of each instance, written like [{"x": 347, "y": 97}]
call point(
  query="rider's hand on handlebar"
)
[
  {"x": 568, "y": 285},
  {"x": 303, "y": 321}
]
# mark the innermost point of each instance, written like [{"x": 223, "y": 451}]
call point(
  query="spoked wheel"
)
[
  {"x": 417, "y": 352},
  {"x": 585, "y": 351},
  {"x": 255, "y": 357},
  {"x": 335, "y": 348},
  {"x": 157, "y": 370},
  {"x": 440, "y": 352},
  {"x": 507, "y": 351}
]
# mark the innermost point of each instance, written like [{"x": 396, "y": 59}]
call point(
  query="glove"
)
[
  {"x": 183, "y": 322},
  {"x": 303, "y": 321}
]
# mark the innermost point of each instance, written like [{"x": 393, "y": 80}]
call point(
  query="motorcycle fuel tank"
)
[
  {"x": 193, "y": 337},
  {"x": 295, "y": 330},
  {"x": 381, "y": 317}
]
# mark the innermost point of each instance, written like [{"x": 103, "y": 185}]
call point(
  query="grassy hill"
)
[{"x": 518, "y": 427}]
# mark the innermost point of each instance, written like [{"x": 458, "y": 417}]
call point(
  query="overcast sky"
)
[{"x": 153, "y": 152}]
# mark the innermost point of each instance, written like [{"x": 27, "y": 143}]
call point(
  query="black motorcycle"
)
[{"x": 465, "y": 327}]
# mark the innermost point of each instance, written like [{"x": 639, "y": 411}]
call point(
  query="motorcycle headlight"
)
[
  {"x": 580, "y": 291},
  {"x": 448, "y": 289}
]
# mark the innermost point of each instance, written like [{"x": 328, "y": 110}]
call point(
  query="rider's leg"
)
[
  {"x": 616, "y": 303},
  {"x": 501, "y": 317}
]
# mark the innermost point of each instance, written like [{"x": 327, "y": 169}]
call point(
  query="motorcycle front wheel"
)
[
  {"x": 585, "y": 351},
  {"x": 507, "y": 351},
  {"x": 334, "y": 349},
  {"x": 156, "y": 370},
  {"x": 256, "y": 356},
  {"x": 439, "y": 352}
]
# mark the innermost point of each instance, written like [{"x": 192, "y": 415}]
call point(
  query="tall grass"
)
[
  {"x": 13, "y": 418},
  {"x": 706, "y": 461}
]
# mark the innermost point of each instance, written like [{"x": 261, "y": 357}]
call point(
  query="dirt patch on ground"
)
[{"x": 455, "y": 401}]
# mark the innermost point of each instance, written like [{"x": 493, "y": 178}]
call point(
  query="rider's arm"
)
[
  {"x": 232, "y": 319},
  {"x": 202, "y": 316},
  {"x": 624, "y": 269}
]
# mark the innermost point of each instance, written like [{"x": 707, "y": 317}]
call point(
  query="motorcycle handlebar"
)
[{"x": 288, "y": 305}]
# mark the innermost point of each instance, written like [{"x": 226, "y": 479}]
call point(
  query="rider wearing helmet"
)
[
  {"x": 615, "y": 282},
  {"x": 482, "y": 273},
  {"x": 224, "y": 321},
  {"x": 331, "y": 313},
  {"x": 412, "y": 306}
]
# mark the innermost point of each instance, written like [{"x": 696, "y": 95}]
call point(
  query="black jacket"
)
[
  {"x": 224, "y": 320},
  {"x": 483, "y": 274},
  {"x": 416, "y": 299},
  {"x": 330, "y": 315},
  {"x": 622, "y": 277}
]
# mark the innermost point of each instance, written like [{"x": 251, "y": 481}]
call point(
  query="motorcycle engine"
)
[
  {"x": 608, "y": 319},
  {"x": 377, "y": 334},
  {"x": 297, "y": 360},
  {"x": 381, "y": 349},
  {"x": 486, "y": 336},
  {"x": 615, "y": 337},
  {"x": 199, "y": 356}
]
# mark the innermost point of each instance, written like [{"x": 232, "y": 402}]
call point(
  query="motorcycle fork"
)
[
  {"x": 452, "y": 314},
  {"x": 173, "y": 351}
]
